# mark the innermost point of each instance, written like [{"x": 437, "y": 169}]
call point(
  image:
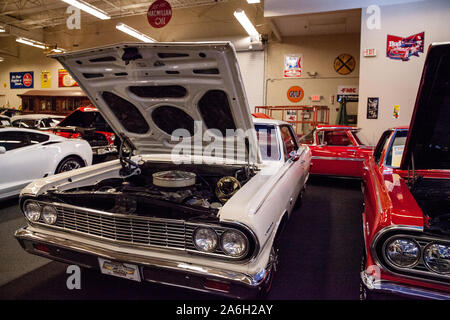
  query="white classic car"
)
[
  {"x": 36, "y": 121},
  {"x": 27, "y": 154},
  {"x": 201, "y": 200}
]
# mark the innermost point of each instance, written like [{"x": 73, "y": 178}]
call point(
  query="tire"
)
[
  {"x": 68, "y": 164},
  {"x": 266, "y": 286}
]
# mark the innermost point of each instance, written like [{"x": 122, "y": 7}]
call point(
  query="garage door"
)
[{"x": 251, "y": 64}]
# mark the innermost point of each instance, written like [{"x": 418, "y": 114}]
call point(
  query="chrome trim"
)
[
  {"x": 377, "y": 192},
  {"x": 378, "y": 285},
  {"x": 248, "y": 280},
  {"x": 413, "y": 272},
  {"x": 336, "y": 158},
  {"x": 220, "y": 226}
]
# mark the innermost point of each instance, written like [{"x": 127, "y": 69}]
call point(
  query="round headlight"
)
[
  {"x": 437, "y": 258},
  {"x": 403, "y": 253},
  {"x": 49, "y": 214},
  {"x": 205, "y": 239},
  {"x": 234, "y": 243},
  {"x": 32, "y": 210}
]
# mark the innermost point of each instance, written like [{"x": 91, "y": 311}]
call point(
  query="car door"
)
[
  {"x": 295, "y": 169},
  {"x": 25, "y": 159},
  {"x": 336, "y": 154}
]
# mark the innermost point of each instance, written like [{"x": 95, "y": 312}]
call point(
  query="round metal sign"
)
[
  {"x": 159, "y": 13},
  {"x": 27, "y": 80},
  {"x": 295, "y": 94},
  {"x": 344, "y": 64}
]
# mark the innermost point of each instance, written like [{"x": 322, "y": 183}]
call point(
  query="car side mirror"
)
[
  {"x": 2, "y": 150},
  {"x": 294, "y": 155}
]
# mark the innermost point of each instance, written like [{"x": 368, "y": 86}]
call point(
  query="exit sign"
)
[
  {"x": 370, "y": 52},
  {"x": 315, "y": 98}
]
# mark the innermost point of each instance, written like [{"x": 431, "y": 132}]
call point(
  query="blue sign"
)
[{"x": 21, "y": 80}]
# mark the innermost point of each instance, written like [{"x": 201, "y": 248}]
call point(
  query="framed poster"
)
[
  {"x": 65, "y": 79},
  {"x": 21, "y": 80},
  {"x": 372, "y": 107},
  {"x": 45, "y": 79},
  {"x": 293, "y": 65}
]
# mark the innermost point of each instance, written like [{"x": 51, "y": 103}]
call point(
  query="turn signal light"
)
[{"x": 216, "y": 285}]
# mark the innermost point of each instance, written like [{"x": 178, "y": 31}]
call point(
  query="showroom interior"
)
[{"x": 357, "y": 95}]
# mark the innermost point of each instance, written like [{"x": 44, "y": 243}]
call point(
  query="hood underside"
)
[
  {"x": 147, "y": 91},
  {"x": 428, "y": 142}
]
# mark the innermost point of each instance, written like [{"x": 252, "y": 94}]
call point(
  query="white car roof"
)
[
  {"x": 35, "y": 116},
  {"x": 30, "y": 130},
  {"x": 269, "y": 121}
]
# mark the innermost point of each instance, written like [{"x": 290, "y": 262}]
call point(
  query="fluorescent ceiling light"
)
[
  {"x": 133, "y": 32},
  {"x": 253, "y": 1},
  {"x": 2, "y": 59},
  {"x": 30, "y": 42},
  {"x": 86, "y": 7},
  {"x": 2, "y": 29},
  {"x": 246, "y": 23}
]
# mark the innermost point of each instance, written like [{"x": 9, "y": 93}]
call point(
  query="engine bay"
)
[{"x": 162, "y": 190}]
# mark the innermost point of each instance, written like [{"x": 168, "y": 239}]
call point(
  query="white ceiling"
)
[{"x": 337, "y": 22}]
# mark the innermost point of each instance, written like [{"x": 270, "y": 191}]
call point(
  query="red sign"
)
[
  {"x": 370, "y": 53},
  {"x": 27, "y": 80},
  {"x": 159, "y": 13},
  {"x": 315, "y": 98},
  {"x": 65, "y": 79},
  {"x": 403, "y": 48}
]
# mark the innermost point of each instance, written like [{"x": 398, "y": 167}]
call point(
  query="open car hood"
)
[
  {"x": 145, "y": 91},
  {"x": 428, "y": 142}
]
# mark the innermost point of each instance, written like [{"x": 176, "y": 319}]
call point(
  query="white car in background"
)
[
  {"x": 26, "y": 155},
  {"x": 36, "y": 121}
]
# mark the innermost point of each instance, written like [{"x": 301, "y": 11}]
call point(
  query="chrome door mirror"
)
[
  {"x": 294, "y": 155},
  {"x": 2, "y": 150}
]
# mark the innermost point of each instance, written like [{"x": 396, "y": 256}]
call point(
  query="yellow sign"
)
[
  {"x": 45, "y": 79},
  {"x": 344, "y": 64}
]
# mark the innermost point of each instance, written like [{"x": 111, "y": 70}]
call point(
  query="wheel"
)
[
  {"x": 69, "y": 163},
  {"x": 267, "y": 283}
]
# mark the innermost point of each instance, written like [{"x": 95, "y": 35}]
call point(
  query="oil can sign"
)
[
  {"x": 21, "y": 80},
  {"x": 159, "y": 13}
]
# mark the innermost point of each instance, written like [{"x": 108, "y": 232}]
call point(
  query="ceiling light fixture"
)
[
  {"x": 88, "y": 8},
  {"x": 253, "y": 1},
  {"x": 30, "y": 42},
  {"x": 134, "y": 33},
  {"x": 246, "y": 23},
  {"x": 2, "y": 29}
]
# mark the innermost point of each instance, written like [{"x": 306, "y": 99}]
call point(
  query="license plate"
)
[{"x": 119, "y": 269}]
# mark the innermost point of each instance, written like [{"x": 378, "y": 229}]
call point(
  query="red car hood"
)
[{"x": 428, "y": 142}]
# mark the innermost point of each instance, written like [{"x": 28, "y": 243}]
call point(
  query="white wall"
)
[{"x": 396, "y": 82}]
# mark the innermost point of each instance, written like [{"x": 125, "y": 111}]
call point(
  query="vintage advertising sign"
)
[
  {"x": 295, "y": 94},
  {"x": 21, "y": 80},
  {"x": 45, "y": 79},
  {"x": 293, "y": 65},
  {"x": 372, "y": 107},
  {"x": 344, "y": 64},
  {"x": 159, "y": 13},
  {"x": 402, "y": 48},
  {"x": 396, "y": 112},
  {"x": 291, "y": 115},
  {"x": 349, "y": 92},
  {"x": 65, "y": 79}
]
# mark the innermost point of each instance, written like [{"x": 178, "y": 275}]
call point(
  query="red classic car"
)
[
  {"x": 406, "y": 183},
  {"x": 87, "y": 123},
  {"x": 336, "y": 151}
]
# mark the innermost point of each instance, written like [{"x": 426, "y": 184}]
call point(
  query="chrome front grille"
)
[{"x": 131, "y": 229}]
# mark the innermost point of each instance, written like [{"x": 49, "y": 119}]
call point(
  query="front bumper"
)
[
  {"x": 384, "y": 286},
  {"x": 175, "y": 273}
]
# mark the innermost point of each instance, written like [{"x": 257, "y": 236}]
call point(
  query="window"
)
[
  {"x": 25, "y": 123},
  {"x": 268, "y": 143},
  {"x": 357, "y": 135},
  {"x": 380, "y": 146},
  {"x": 290, "y": 143},
  {"x": 309, "y": 138},
  {"x": 88, "y": 119},
  {"x": 13, "y": 139},
  {"x": 395, "y": 153},
  {"x": 336, "y": 138}
]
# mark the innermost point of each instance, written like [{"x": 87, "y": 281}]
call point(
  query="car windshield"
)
[
  {"x": 50, "y": 122},
  {"x": 268, "y": 143},
  {"x": 395, "y": 153},
  {"x": 89, "y": 119},
  {"x": 309, "y": 138},
  {"x": 25, "y": 123}
]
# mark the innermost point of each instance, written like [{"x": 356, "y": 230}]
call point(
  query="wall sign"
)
[
  {"x": 402, "y": 48},
  {"x": 45, "y": 79},
  {"x": 159, "y": 13},
  {"x": 291, "y": 115},
  {"x": 372, "y": 107},
  {"x": 350, "y": 92},
  {"x": 344, "y": 64},
  {"x": 21, "y": 80},
  {"x": 293, "y": 65},
  {"x": 65, "y": 79},
  {"x": 396, "y": 112},
  {"x": 370, "y": 52},
  {"x": 295, "y": 94}
]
